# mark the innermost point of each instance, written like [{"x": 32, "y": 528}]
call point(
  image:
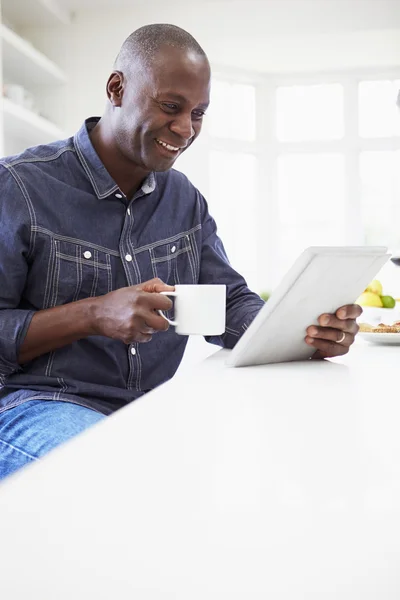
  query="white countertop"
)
[{"x": 279, "y": 482}]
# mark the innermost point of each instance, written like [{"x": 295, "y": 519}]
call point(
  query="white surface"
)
[
  {"x": 24, "y": 64},
  {"x": 36, "y": 13},
  {"x": 320, "y": 281},
  {"x": 278, "y": 482},
  {"x": 381, "y": 338},
  {"x": 23, "y": 124}
]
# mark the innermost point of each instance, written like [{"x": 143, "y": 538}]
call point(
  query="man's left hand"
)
[{"x": 335, "y": 333}]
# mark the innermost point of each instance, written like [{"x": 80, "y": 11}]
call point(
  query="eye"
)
[
  {"x": 198, "y": 114},
  {"x": 169, "y": 106}
]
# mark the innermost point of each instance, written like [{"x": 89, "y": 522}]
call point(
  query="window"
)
[
  {"x": 289, "y": 162},
  {"x": 380, "y": 190},
  {"x": 309, "y": 112},
  {"x": 233, "y": 204},
  {"x": 311, "y": 199},
  {"x": 378, "y": 113},
  {"x": 232, "y": 112}
]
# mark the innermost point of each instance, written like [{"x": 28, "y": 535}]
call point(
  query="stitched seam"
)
[
  {"x": 95, "y": 275},
  {"x": 64, "y": 238},
  {"x": 18, "y": 450},
  {"x": 29, "y": 204},
  {"x": 49, "y": 278},
  {"x": 56, "y": 277},
  {"x": 89, "y": 174},
  {"x": 82, "y": 261},
  {"x": 132, "y": 252},
  {"x": 79, "y": 277},
  {"x": 153, "y": 261},
  {"x": 167, "y": 240},
  {"x": 38, "y": 159},
  {"x": 176, "y": 272},
  {"x": 231, "y": 331},
  {"x": 109, "y": 274},
  {"x": 171, "y": 256},
  {"x": 191, "y": 260},
  {"x": 139, "y": 370},
  {"x": 131, "y": 371},
  {"x": 192, "y": 241}
]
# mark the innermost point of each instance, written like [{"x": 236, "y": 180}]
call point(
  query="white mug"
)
[{"x": 199, "y": 309}]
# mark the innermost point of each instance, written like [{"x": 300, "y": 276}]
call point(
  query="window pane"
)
[
  {"x": 378, "y": 113},
  {"x": 232, "y": 112},
  {"x": 312, "y": 196},
  {"x": 380, "y": 188},
  {"x": 233, "y": 206},
  {"x": 309, "y": 112}
]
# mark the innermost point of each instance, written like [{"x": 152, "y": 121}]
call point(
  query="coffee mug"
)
[{"x": 199, "y": 309}]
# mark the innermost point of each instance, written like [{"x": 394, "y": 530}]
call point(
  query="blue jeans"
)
[{"x": 32, "y": 429}]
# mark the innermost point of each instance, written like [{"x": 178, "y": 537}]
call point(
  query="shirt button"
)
[
  {"x": 119, "y": 196},
  {"x": 87, "y": 254},
  {"x": 129, "y": 211},
  {"x": 173, "y": 249},
  {"x": 128, "y": 257},
  {"x": 133, "y": 351}
]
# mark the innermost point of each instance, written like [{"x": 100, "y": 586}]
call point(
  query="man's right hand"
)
[{"x": 130, "y": 314}]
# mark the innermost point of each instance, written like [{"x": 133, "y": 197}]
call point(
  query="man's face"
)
[{"x": 161, "y": 109}]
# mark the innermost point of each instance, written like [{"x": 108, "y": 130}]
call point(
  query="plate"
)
[
  {"x": 380, "y": 338},
  {"x": 374, "y": 315}
]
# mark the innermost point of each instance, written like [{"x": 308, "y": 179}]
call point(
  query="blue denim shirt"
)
[{"x": 68, "y": 232}]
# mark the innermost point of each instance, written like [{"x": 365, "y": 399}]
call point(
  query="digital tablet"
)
[{"x": 320, "y": 281}]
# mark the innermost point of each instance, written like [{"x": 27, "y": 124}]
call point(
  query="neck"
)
[{"x": 128, "y": 176}]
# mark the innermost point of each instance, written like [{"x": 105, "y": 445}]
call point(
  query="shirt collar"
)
[{"x": 102, "y": 182}]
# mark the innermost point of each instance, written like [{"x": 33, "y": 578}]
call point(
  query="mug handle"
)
[{"x": 160, "y": 312}]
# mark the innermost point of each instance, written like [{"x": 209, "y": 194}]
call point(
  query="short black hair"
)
[{"x": 146, "y": 42}]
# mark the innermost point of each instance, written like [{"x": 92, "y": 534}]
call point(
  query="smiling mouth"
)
[{"x": 171, "y": 149}]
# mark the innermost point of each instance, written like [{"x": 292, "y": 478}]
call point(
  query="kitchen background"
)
[{"x": 301, "y": 145}]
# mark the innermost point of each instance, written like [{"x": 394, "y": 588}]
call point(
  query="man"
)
[{"x": 92, "y": 228}]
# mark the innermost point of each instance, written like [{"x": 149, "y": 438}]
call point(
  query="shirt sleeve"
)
[
  {"x": 15, "y": 245},
  {"x": 242, "y": 305}
]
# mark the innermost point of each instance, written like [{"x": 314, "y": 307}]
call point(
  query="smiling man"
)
[{"x": 92, "y": 228}]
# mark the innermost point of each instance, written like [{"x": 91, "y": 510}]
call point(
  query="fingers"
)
[
  {"x": 156, "y": 286},
  {"x": 350, "y": 311},
  {"x": 155, "y": 301},
  {"x": 332, "y": 322},
  {"x": 156, "y": 322},
  {"x": 335, "y": 333}
]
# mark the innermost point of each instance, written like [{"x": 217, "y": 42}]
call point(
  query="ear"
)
[{"x": 115, "y": 88}]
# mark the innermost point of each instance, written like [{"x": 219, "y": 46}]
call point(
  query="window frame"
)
[{"x": 267, "y": 149}]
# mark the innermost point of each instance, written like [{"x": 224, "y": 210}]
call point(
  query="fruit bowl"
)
[{"x": 377, "y": 307}]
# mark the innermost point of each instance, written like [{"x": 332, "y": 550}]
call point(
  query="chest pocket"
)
[
  {"x": 175, "y": 262},
  {"x": 79, "y": 272}
]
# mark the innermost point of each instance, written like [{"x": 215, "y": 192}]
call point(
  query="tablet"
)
[{"x": 320, "y": 281}]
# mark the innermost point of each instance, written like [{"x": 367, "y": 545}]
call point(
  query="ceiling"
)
[{"x": 278, "y": 16}]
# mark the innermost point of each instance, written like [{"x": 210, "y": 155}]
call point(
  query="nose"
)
[{"x": 182, "y": 125}]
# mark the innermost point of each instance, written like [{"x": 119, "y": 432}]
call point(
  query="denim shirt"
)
[{"x": 67, "y": 232}]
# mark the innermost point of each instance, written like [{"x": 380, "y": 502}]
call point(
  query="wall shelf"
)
[
  {"x": 25, "y": 65},
  {"x": 22, "y": 124},
  {"x": 35, "y": 13}
]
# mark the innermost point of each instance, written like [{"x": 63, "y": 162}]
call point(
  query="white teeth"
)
[{"x": 167, "y": 146}]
